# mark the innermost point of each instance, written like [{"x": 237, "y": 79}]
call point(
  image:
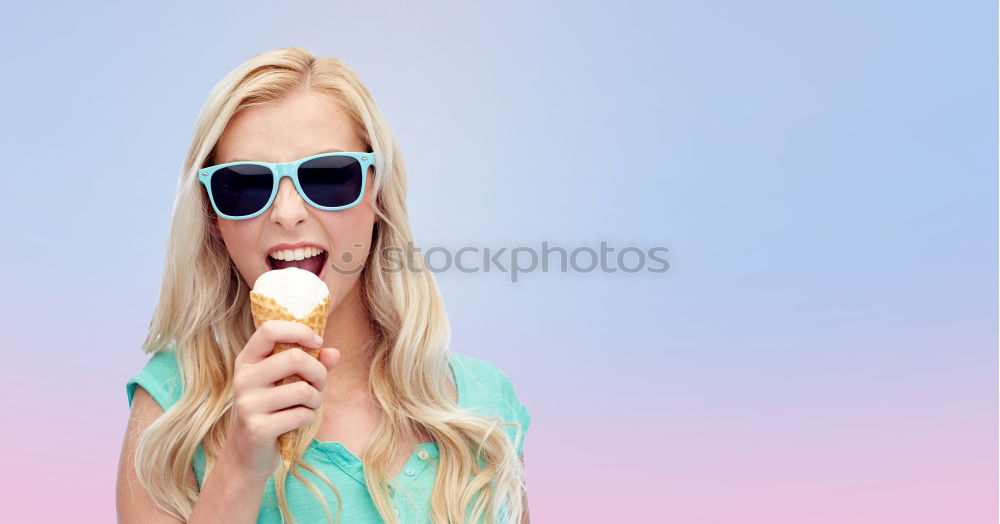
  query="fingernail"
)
[{"x": 317, "y": 339}]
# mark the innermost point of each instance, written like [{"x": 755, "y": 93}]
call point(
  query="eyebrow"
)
[{"x": 331, "y": 150}]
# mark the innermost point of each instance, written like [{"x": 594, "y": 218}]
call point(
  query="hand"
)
[{"x": 261, "y": 410}]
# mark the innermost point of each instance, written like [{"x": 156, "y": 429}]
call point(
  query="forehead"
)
[{"x": 303, "y": 124}]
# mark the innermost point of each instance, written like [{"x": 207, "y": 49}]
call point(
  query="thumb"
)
[{"x": 329, "y": 357}]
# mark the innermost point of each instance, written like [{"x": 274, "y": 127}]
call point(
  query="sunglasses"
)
[{"x": 329, "y": 181}]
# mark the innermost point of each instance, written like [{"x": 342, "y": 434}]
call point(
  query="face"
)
[{"x": 301, "y": 125}]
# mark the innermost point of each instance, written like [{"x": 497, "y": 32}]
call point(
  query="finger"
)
[
  {"x": 286, "y": 364},
  {"x": 289, "y": 419},
  {"x": 289, "y": 395},
  {"x": 261, "y": 343}
]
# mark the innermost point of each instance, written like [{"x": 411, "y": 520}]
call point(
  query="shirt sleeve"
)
[
  {"x": 160, "y": 378},
  {"x": 516, "y": 411},
  {"x": 485, "y": 389}
]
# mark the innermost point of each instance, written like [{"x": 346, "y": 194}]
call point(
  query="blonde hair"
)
[{"x": 203, "y": 312}]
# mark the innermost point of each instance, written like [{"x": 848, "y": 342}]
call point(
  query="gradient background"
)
[{"x": 823, "y": 348}]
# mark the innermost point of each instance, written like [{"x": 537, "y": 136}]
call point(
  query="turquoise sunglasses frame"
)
[{"x": 291, "y": 170}]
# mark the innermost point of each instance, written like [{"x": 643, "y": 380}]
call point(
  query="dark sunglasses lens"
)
[
  {"x": 242, "y": 189},
  {"x": 331, "y": 181}
]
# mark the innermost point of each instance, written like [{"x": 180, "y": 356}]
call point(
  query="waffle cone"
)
[{"x": 265, "y": 308}]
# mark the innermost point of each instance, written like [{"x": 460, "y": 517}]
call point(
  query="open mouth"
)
[{"x": 310, "y": 259}]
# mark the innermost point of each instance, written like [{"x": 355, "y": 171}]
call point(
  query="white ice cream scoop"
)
[{"x": 297, "y": 290}]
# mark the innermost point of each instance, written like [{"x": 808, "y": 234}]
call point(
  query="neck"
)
[{"x": 349, "y": 330}]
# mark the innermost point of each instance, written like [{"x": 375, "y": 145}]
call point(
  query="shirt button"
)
[
  {"x": 411, "y": 471},
  {"x": 422, "y": 454}
]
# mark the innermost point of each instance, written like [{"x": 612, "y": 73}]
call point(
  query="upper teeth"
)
[{"x": 296, "y": 254}]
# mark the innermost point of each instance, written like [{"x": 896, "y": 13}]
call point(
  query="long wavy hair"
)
[{"x": 203, "y": 312}]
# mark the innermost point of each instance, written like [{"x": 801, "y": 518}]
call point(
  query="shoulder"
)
[
  {"x": 160, "y": 377},
  {"x": 480, "y": 376},
  {"x": 487, "y": 390}
]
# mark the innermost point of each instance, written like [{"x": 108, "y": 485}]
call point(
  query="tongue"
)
[{"x": 314, "y": 264}]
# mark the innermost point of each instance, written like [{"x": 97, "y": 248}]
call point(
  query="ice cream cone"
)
[{"x": 264, "y": 308}]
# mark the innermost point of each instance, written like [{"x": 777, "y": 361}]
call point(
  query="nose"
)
[{"x": 288, "y": 208}]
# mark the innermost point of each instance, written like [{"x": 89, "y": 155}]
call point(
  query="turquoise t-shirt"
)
[{"x": 482, "y": 389}]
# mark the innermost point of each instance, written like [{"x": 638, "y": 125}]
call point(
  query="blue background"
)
[{"x": 824, "y": 174}]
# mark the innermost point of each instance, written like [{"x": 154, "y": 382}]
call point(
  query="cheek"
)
[
  {"x": 353, "y": 225},
  {"x": 347, "y": 232},
  {"x": 350, "y": 240},
  {"x": 238, "y": 237}
]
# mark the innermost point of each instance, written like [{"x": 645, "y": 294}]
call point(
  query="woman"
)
[{"x": 398, "y": 428}]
